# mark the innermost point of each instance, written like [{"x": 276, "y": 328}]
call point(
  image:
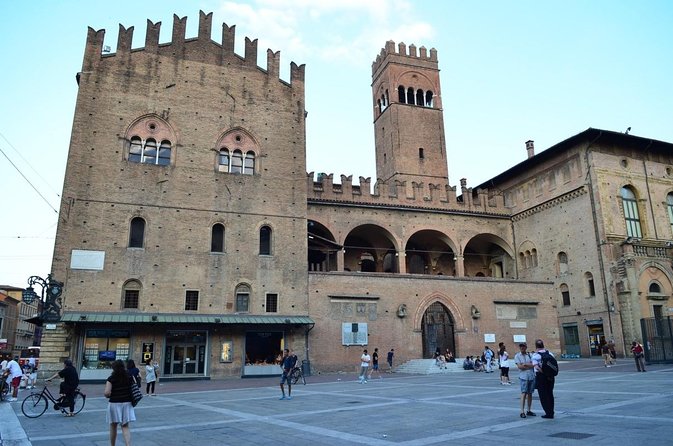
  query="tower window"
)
[
  {"x": 242, "y": 299},
  {"x": 272, "y": 303},
  {"x": 191, "y": 300},
  {"x": 421, "y": 155},
  {"x": 137, "y": 233},
  {"x": 147, "y": 152},
  {"x": 217, "y": 238},
  {"x": 402, "y": 96},
  {"x": 265, "y": 241}
]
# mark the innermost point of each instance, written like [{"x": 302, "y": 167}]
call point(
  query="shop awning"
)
[{"x": 144, "y": 318}]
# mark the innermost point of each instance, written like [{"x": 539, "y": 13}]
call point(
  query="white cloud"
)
[{"x": 350, "y": 31}]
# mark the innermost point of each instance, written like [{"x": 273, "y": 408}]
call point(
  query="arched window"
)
[
  {"x": 237, "y": 162},
  {"x": 265, "y": 241},
  {"x": 533, "y": 256},
  {"x": 242, "y": 298},
  {"x": 420, "y": 100},
  {"x": 164, "y": 153},
  {"x": 631, "y": 215},
  {"x": 522, "y": 260},
  {"x": 655, "y": 288},
  {"x": 151, "y": 141},
  {"x": 410, "y": 96},
  {"x": 249, "y": 163},
  {"x": 589, "y": 288},
  {"x": 217, "y": 238},
  {"x": 137, "y": 233},
  {"x": 150, "y": 152},
  {"x": 565, "y": 294},
  {"x": 401, "y": 95},
  {"x": 429, "y": 100},
  {"x": 669, "y": 206},
  {"x": 131, "y": 295},
  {"x": 136, "y": 150},
  {"x": 223, "y": 161},
  {"x": 528, "y": 260},
  {"x": 562, "y": 263}
]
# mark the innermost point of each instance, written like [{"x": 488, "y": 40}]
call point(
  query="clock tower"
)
[{"x": 408, "y": 117}]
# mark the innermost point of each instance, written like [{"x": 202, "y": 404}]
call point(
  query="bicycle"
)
[
  {"x": 4, "y": 387},
  {"x": 35, "y": 404},
  {"x": 296, "y": 374}
]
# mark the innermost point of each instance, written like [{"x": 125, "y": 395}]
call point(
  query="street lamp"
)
[{"x": 50, "y": 297}]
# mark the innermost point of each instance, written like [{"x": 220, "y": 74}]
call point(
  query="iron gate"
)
[{"x": 657, "y": 339}]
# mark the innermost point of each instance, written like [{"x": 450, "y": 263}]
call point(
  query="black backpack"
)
[{"x": 548, "y": 365}]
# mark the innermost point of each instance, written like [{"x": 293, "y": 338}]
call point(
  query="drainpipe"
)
[{"x": 308, "y": 362}]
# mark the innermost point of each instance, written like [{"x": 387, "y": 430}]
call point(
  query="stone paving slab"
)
[{"x": 603, "y": 406}]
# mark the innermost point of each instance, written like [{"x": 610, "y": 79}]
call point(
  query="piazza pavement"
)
[{"x": 594, "y": 405}]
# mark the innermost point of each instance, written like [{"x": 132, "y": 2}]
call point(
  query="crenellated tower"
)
[{"x": 408, "y": 118}]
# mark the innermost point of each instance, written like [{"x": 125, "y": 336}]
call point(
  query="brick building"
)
[{"x": 191, "y": 235}]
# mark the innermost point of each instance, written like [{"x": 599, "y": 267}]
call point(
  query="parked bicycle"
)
[
  {"x": 296, "y": 374},
  {"x": 4, "y": 387},
  {"x": 35, "y": 404}
]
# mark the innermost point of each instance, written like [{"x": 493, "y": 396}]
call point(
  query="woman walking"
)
[{"x": 120, "y": 410}]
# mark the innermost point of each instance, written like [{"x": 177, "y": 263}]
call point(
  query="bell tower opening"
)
[{"x": 409, "y": 123}]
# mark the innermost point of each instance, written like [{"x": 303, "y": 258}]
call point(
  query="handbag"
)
[{"x": 136, "y": 394}]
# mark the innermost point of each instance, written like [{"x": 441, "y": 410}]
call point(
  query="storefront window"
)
[
  {"x": 102, "y": 347},
  {"x": 263, "y": 348}
]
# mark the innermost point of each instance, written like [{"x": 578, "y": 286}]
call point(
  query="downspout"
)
[
  {"x": 597, "y": 232},
  {"x": 647, "y": 186},
  {"x": 308, "y": 362}
]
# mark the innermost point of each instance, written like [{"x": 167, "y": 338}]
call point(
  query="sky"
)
[{"x": 510, "y": 71}]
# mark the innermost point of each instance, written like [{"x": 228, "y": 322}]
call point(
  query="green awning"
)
[{"x": 159, "y": 318}]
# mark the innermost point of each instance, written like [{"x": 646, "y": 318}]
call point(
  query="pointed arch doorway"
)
[{"x": 438, "y": 330}]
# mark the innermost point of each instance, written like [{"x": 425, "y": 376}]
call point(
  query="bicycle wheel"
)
[
  {"x": 294, "y": 377},
  {"x": 303, "y": 380},
  {"x": 80, "y": 399},
  {"x": 4, "y": 390},
  {"x": 34, "y": 405}
]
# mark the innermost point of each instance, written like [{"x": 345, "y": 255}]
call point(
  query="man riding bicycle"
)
[{"x": 68, "y": 386}]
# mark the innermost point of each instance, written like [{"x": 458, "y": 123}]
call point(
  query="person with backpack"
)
[{"x": 546, "y": 369}]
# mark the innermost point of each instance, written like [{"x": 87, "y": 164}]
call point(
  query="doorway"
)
[
  {"x": 438, "y": 330},
  {"x": 596, "y": 339},
  {"x": 185, "y": 353}
]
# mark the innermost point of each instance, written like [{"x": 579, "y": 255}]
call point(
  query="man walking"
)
[
  {"x": 375, "y": 364},
  {"x": 364, "y": 365},
  {"x": 524, "y": 362},
  {"x": 391, "y": 354},
  {"x": 544, "y": 384},
  {"x": 287, "y": 363},
  {"x": 488, "y": 357},
  {"x": 14, "y": 377}
]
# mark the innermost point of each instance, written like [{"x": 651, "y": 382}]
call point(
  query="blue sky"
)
[{"x": 510, "y": 71}]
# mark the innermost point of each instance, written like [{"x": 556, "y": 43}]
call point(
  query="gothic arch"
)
[{"x": 423, "y": 305}]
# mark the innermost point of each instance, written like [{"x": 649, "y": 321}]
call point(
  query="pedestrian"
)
[
  {"x": 375, "y": 364},
  {"x": 544, "y": 384},
  {"x": 391, "y": 354},
  {"x": 613, "y": 351},
  {"x": 120, "y": 409},
  {"x": 133, "y": 371},
  {"x": 488, "y": 357},
  {"x": 365, "y": 359},
  {"x": 68, "y": 386},
  {"x": 607, "y": 358},
  {"x": 638, "y": 355},
  {"x": 32, "y": 376},
  {"x": 504, "y": 366},
  {"x": 287, "y": 363},
  {"x": 524, "y": 363},
  {"x": 14, "y": 377},
  {"x": 151, "y": 372}
]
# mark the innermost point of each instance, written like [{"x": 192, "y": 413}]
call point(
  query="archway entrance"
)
[{"x": 438, "y": 330}]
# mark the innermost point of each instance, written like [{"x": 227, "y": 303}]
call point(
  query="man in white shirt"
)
[
  {"x": 364, "y": 365},
  {"x": 14, "y": 377},
  {"x": 524, "y": 362}
]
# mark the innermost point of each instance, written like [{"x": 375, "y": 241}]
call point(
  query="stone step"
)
[{"x": 429, "y": 367}]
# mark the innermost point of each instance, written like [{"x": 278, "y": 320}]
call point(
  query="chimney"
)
[{"x": 530, "y": 148}]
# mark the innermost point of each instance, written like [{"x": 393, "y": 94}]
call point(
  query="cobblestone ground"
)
[{"x": 603, "y": 406}]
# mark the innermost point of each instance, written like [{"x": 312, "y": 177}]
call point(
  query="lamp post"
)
[{"x": 49, "y": 298}]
